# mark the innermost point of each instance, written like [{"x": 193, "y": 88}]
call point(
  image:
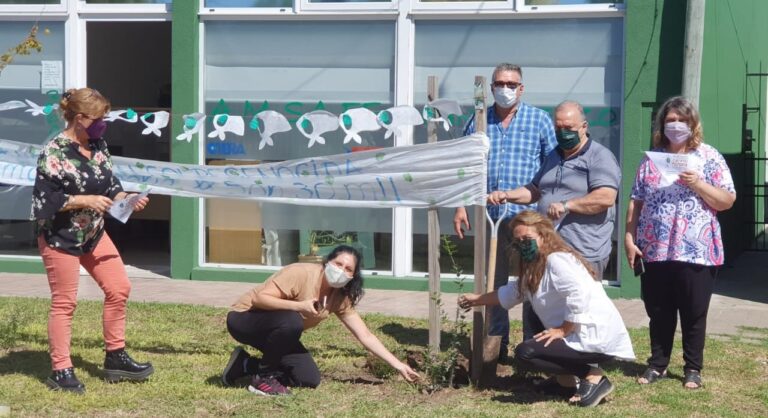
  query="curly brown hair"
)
[
  {"x": 532, "y": 272},
  {"x": 682, "y": 107}
]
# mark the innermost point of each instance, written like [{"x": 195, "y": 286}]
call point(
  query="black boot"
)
[
  {"x": 66, "y": 380},
  {"x": 240, "y": 364},
  {"x": 118, "y": 365}
]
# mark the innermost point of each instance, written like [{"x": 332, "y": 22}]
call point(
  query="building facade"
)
[{"x": 239, "y": 57}]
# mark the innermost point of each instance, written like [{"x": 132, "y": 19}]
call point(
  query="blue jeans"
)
[{"x": 500, "y": 316}]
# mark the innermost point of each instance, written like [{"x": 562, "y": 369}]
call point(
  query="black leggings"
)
[
  {"x": 277, "y": 335},
  {"x": 556, "y": 358}
]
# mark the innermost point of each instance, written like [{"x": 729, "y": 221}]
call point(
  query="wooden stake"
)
[
  {"x": 433, "y": 247},
  {"x": 478, "y": 314}
]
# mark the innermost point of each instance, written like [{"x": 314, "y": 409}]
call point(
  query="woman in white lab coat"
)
[{"x": 582, "y": 326}]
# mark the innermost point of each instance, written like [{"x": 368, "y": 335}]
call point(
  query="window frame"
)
[
  {"x": 474, "y": 6},
  {"x": 24, "y": 10},
  {"x": 570, "y": 8},
  {"x": 405, "y": 14},
  {"x": 401, "y": 217},
  {"x": 125, "y": 11}
]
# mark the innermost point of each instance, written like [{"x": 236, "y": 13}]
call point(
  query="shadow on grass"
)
[
  {"x": 215, "y": 380},
  {"x": 37, "y": 364},
  {"x": 418, "y": 336},
  {"x": 630, "y": 369},
  {"x": 153, "y": 347}
]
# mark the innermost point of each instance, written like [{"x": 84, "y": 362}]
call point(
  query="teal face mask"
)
[
  {"x": 529, "y": 249},
  {"x": 567, "y": 139}
]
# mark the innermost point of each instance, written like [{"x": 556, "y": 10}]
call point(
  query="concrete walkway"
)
[{"x": 741, "y": 296}]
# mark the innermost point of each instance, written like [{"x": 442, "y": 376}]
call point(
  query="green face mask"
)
[
  {"x": 529, "y": 249},
  {"x": 567, "y": 139}
]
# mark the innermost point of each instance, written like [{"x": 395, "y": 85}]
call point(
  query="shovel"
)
[{"x": 492, "y": 343}]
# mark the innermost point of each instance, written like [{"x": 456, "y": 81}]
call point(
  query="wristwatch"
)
[{"x": 565, "y": 206}]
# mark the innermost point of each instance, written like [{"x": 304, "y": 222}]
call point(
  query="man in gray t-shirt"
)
[{"x": 576, "y": 187}]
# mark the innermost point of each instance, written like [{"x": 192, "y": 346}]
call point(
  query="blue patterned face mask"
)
[{"x": 529, "y": 249}]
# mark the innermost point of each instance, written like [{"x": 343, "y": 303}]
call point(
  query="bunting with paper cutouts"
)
[{"x": 314, "y": 125}]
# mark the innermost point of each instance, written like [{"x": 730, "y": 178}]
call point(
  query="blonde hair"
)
[
  {"x": 86, "y": 101},
  {"x": 531, "y": 273},
  {"x": 682, "y": 107}
]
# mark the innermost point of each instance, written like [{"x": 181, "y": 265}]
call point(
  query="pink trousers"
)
[{"x": 106, "y": 267}]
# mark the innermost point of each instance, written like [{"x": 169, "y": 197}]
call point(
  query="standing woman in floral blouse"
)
[
  {"x": 74, "y": 186},
  {"x": 674, "y": 229}
]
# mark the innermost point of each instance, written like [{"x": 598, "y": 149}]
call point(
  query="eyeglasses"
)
[{"x": 511, "y": 84}]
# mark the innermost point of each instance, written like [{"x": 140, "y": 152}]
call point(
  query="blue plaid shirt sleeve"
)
[{"x": 548, "y": 138}]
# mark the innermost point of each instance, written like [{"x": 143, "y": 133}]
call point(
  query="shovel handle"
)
[
  {"x": 491, "y": 265},
  {"x": 489, "y": 284}
]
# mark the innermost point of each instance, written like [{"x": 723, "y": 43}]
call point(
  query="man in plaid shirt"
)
[{"x": 520, "y": 137}]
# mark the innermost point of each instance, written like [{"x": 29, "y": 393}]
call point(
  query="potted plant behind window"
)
[{"x": 312, "y": 256}]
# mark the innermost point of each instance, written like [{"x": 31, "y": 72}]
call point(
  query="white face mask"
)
[
  {"x": 335, "y": 276},
  {"x": 677, "y": 132},
  {"x": 505, "y": 97}
]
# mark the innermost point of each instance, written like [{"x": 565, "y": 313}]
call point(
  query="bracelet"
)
[{"x": 565, "y": 205}]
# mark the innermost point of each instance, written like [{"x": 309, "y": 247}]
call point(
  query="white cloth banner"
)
[{"x": 443, "y": 174}]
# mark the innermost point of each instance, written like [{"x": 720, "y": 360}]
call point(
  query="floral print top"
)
[
  {"x": 63, "y": 171},
  {"x": 675, "y": 223}
]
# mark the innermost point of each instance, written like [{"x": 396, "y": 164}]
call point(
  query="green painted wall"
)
[
  {"x": 734, "y": 41},
  {"x": 185, "y": 74},
  {"x": 654, "y": 39}
]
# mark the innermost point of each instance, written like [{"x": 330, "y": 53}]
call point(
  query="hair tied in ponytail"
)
[{"x": 66, "y": 94}]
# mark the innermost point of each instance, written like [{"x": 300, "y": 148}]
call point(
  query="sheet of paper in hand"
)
[
  {"x": 671, "y": 165},
  {"x": 122, "y": 209}
]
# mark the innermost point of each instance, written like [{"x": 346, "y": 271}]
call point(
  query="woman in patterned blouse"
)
[
  {"x": 74, "y": 186},
  {"x": 674, "y": 230}
]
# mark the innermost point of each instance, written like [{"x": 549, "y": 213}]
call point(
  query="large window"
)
[
  {"x": 21, "y": 80},
  {"x": 295, "y": 68},
  {"x": 553, "y": 71}
]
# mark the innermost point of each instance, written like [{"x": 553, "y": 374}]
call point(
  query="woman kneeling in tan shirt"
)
[{"x": 272, "y": 316}]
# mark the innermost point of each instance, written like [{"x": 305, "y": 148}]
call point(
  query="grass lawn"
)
[{"x": 189, "y": 346}]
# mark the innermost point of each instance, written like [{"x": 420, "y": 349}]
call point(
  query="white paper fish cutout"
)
[
  {"x": 439, "y": 110},
  {"x": 357, "y": 120},
  {"x": 227, "y": 123},
  {"x": 13, "y": 104},
  {"x": 159, "y": 122},
  {"x": 268, "y": 123},
  {"x": 36, "y": 110},
  {"x": 192, "y": 124},
  {"x": 319, "y": 122},
  {"x": 131, "y": 116},
  {"x": 397, "y": 119}
]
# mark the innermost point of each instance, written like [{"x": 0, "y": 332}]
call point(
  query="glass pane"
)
[
  {"x": 457, "y": 51},
  {"x": 129, "y": 1},
  {"x": 569, "y": 2},
  {"x": 349, "y": 1},
  {"x": 248, "y": 3},
  {"x": 460, "y": 1},
  {"x": 21, "y": 81},
  {"x": 299, "y": 67},
  {"x": 30, "y": 1}
]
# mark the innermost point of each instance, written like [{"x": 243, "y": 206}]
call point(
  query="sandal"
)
[
  {"x": 591, "y": 394},
  {"x": 692, "y": 376},
  {"x": 551, "y": 386},
  {"x": 652, "y": 375}
]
